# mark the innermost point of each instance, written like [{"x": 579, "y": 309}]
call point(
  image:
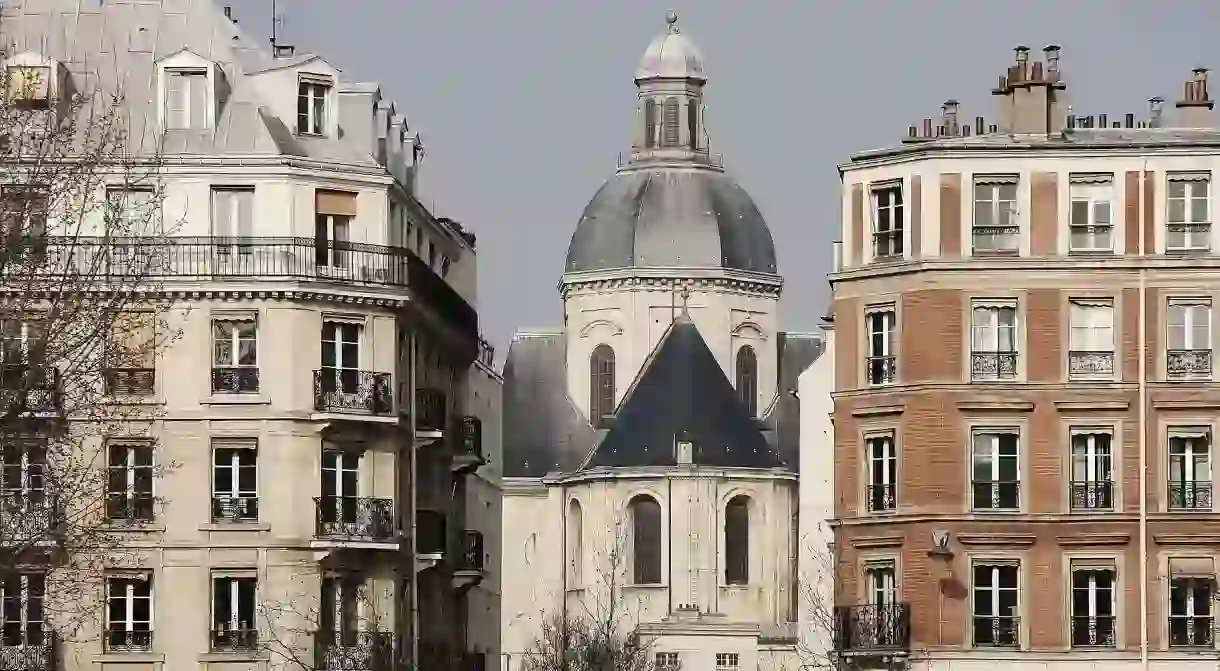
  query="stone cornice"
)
[
  {"x": 660, "y": 472},
  {"x": 587, "y": 283}
]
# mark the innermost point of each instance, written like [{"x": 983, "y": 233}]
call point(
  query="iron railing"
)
[
  {"x": 234, "y": 379},
  {"x": 30, "y": 389},
  {"x": 882, "y": 370},
  {"x": 350, "y": 390},
  {"x": 887, "y": 245},
  {"x": 353, "y": 650},
  {"x": 242, "y": 639},
  {"x": 234, "y": 508},
  {"x": 355, "y": 517},
  {"x": 119, "y": 639},
  {"x": 882, "y": 497},
  {"x": 431, "y": 410},
  {"x": 125, "y": 507},
  {"x": 471, "y": 557},
  {"x": 32, "y": 648},
  {"x": 1191, "y": 631},
  {"x": 993, "y": 366},
  {"x": 872, "y": 627},
  {"x": 996, "y": 495},
  {"x": 1002, "y": 631},
  {"x": 1190, "y": 495},
  {"x": 26, "y": 518},
  {"x": 1093, "y": 631},
  {"x": 129, "y": 381},
  {"x": 1188, "y": 363},
  {"x": 429, "y": 532},
  {"x": 1092, "y": 495},
  {"x": 1090, "y": 365}
]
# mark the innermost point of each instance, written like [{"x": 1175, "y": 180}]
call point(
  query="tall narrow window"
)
[
  {"x": 21, "y": 603},
  {"x": 670, "y": 123},
  {"x": 1188, "y": 222},
  {"x": 340, "y": 504},
  {"x": 235, "y": 484},
  {"x": 1091, "y": 353},
  {"x": 129, "y": 613},
  {"x": 1093, "y": 607},
  {"x": 882, "y": 473},
  {"x": 882, "y": 322},
  {"x": 233, "y": 220},
  {"x": 737, "y": 541},
  {"x": 1192, "y": 589},
  {"x": 995, "y": 591},
  {"x": 340, "y": 611},
  {"x": 650, "y": 123},
  {"x": 747, "y": 378},
  {"x": 887, "y": 221},
  {"x": 311, "y": 107},
  {"x": 996, "y": 227},
  {"x": 23, "y": 218},
  {"x": 601, "y": 385},
  {"x": 576, "y": 530},
  {"x": 1189, "y": 355},
  {"x": 1092, "y": 470},
  {"x": 334, "y": 211},
  {"x": 233, "y": 606},
  {"x": 129, "y": 486},
  {"x": 23, "y": 490},
  {"x": 645, "y": 540},
  {"x": 22, "y": 355},
  {"x": 186, "y": 99},
  {"x": 996, "y": 475},
  {"x": 1190, "y": 468},
  {"x": 234, "y": 356},
  {"x": 993, "y": 342},
  {"x": 692, "y": 123},
  {"x": 341, "y": 357},
  {"x": 1091, "y": 196}
]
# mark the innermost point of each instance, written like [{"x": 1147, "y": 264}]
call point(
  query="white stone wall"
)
[{"x": 817, "y": 496}]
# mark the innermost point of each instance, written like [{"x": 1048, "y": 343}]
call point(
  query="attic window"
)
[
  {"x": 29, "y": 86},
  {"x": 311, "y": 105},
  {"x": 186, "y": 99}
]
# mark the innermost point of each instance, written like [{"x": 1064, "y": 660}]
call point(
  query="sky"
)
[{"x": 524, "y": 107}]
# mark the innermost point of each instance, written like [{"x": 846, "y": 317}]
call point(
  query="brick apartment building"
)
[{"x": 1023, "y": 317}]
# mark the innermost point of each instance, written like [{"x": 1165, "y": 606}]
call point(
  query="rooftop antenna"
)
[{"x": 275, "y": 22}]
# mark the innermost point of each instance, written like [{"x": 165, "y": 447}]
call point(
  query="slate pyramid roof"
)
[{"x": 682, "y": 394}]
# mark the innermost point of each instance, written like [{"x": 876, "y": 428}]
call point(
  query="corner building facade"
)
[{"x": 1024, "y": 404}]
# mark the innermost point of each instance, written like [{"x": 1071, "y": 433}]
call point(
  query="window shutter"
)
[
  {"x": 669, "y": 123},
  {"x": 198, "y": 92},
  {"x": 176, "y": 100},
  {"x": 222, "y": 208},
  {"x": 245, "y": 213}
]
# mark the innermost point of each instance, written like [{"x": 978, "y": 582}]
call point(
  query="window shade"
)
[
  {"x": 340, "y": 203},
  {"x": 1192, "y": 567}
]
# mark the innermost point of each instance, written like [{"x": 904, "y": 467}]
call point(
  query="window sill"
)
[
  {"x": 236, "y": 399},
  {"x": 235, "y": 526},
  {"x": 133, "y": 527},
  {"x": 130, "y": 657},
  {"x": 736, "y": 588},
  {"x": 646, "y": 586},
  {"x": 236, "y": 656}
]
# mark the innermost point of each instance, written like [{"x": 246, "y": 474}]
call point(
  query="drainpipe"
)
[{"x": 1143, "y": 419}]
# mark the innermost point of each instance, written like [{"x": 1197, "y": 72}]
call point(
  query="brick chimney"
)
[
  {"x": 1033, "y": 99},
  {"x": 1196, "y": 103}
]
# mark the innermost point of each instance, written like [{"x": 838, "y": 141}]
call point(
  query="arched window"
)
[
  {"x": 737, "y": 541},
  {"x": 645, "y": 540},
  {"x": 650, "y": 123},
  {"x": 692, "y": 123},
  {"x": 670, "y": 116},
  {"x": 576, "y": 551},
  {"x": 747, "y": 378},
  {"x": 601, "y": 385}
]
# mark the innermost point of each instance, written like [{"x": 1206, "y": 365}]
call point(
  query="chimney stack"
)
[
  {"x": 1196, "y": 103},
  {"x": 1033, "y": 100},
  {"x": 949, "y": 116},
  {"x": 1155, "y": 104}
]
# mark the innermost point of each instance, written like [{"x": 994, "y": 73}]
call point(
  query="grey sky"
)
[{"x": 524, "y": 106}]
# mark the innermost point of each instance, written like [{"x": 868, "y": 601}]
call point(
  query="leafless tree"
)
[
  {"x": 83, "y": 244},
  {"x": 815, "y": 600},
  {"x": 600, "y": 636}
]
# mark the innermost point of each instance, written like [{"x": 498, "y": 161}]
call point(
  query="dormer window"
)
[
  {"x": 29, "y": 86},
  {"x": 186, "y": 99},
  {"x": 311, "y": 105}
]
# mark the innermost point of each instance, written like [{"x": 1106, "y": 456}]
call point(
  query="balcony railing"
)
[
  {"x": 1191, "y": 631},
  {"x": 225, "y": 639},
  {"x": 354, "y": 650},
  {"x": 1190, "y": 495},
  {"x": 26, "y": 518},
  {"x": 471, "y": 558},
  {"x": 1188, "y": 363},
  {"x": 431, "y": 409},
  {"x": 124, "y": 507},
  {"x": 30, "y": 648},
  {"x": 882, "y": 370},
  {"x": 129, "y": 381},
  {"x": 33, "y": 389},
  {"x": 1002, "y": 631},
  {"x": 1093, "y": 631},
  {"x": 353, "y": 517},
  {"x": 996, "y": 495},
  {"x": 887, "y": 245},
  {"x": 429, "y": 532},
  {"x": 234, "y": 509},
  {"x": 1090, "y": 365},
  {"x": 993, "y": 366},
  {"x": 348, "y": 390},
  {"x": 872, "y": 628},
  {"x": 1093, "y": 495},
  {"x": 882, "y": 497},
  {"x": 120, "y": 639},
  {"x": 235, "y": 380}
]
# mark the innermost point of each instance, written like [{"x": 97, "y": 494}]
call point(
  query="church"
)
[{"x": 651, "y": 445}]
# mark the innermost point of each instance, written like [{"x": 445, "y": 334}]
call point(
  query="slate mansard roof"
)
[{"x": 681, "y": 389}]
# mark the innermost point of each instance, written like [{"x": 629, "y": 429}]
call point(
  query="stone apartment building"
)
[
  {"x": 1024, "y": 399},
  {"x": 319, "y": 414}
]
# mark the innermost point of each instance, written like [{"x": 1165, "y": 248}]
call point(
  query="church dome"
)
[
  {"x": 671, "y": 216},
  {"x": 671, "y": 56}
]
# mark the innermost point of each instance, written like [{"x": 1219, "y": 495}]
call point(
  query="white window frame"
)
[
  {"x": 235, "y": 468},
  {"x": 1184, "y": 317},
  {"x": 229, "y": 199},
  {"x": 345, "y": 461},
  {"x": 1094, "y": 599},
  {"x": 883, "y": 467},
  {"x": 882, "y": 583},
  {"x": 1188, "y": 445},
  {"x": 338, "y": 236},
  {"x": 233, "y": 582},
  {"x": 129, "y": 599},
  {"x": 30, "y": 471},
  {"x": 994, "y": 592},
  {"x": 26, "y": 599},
  {"x": 985, "y": 442},
  {"x": 313, "y": 90},
  {"x": 667, "y": 661},
  {"x": 1197, "y": 234},
  {"x": 1093, "y": 455},
  {"x": 233, "y": 328},
  {"x": 130, "y": 468},
  {"x": 1091, "y": 334},
  {"x": 169, "y": 112},
  {"x": 1097, "y": 222},
  {"x": 895, "y": 212},
  {"x": 1003, "y": 213},
  {"x": 987, "y": 327},
  {"x": 344, "y": 590},
  {"x": 728, "y": 661},
  {"x": 339, "y": 363},
  {"x": 883, "y": 321},
  {"x": 1191, "y": 604},
  {"x": 1190, "y": 311}
]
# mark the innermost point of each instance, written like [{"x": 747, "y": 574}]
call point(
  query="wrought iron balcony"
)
[
  {"x": 125, "y": 507},
  {"x": 471, "y": 558},
  {"x": 234, "y": 509},
  {"x": 872, "y": 628},
  {"x": 1191, "y": 631},
  {"x": 353, "y": 650},
  {"x": 1000, "y": 631},
  {"x": 355, "y": 518},
  {"x": 987, "y": 366},
  {"x": 1093, "y": 495},
  {"x": 225, "y": 639},
  {"x": 129, "y": 381},
  {"x": 882, "y": 497},
  {"x": 234, "y": 380},
  {"x": 996, "y": 495},
  {"x": 1190, "y": 495},
  {"x": 1091, "y": 365},
  {"x": 346, "y": 390},
  {"x": 882, "y": 370},
  {"x": 119, "y": 639},
  {"x": 430, "y": 532},
  {"x": 1188, "y": 364},
  {"x": 1093, "y": 631},
  {"x": 26, "y": 518},
  {"x": 30, "y": 389},
  {"x": 431, "y": 410},
  {"x": 28, "y": 648}
]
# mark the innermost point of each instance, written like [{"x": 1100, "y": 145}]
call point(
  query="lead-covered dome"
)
[
  {"x": 671, "y": 217},
  {"x": 671, "y": 56}
]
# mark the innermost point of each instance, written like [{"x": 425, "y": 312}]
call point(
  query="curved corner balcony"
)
[{"x": 217, "y": 259}]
